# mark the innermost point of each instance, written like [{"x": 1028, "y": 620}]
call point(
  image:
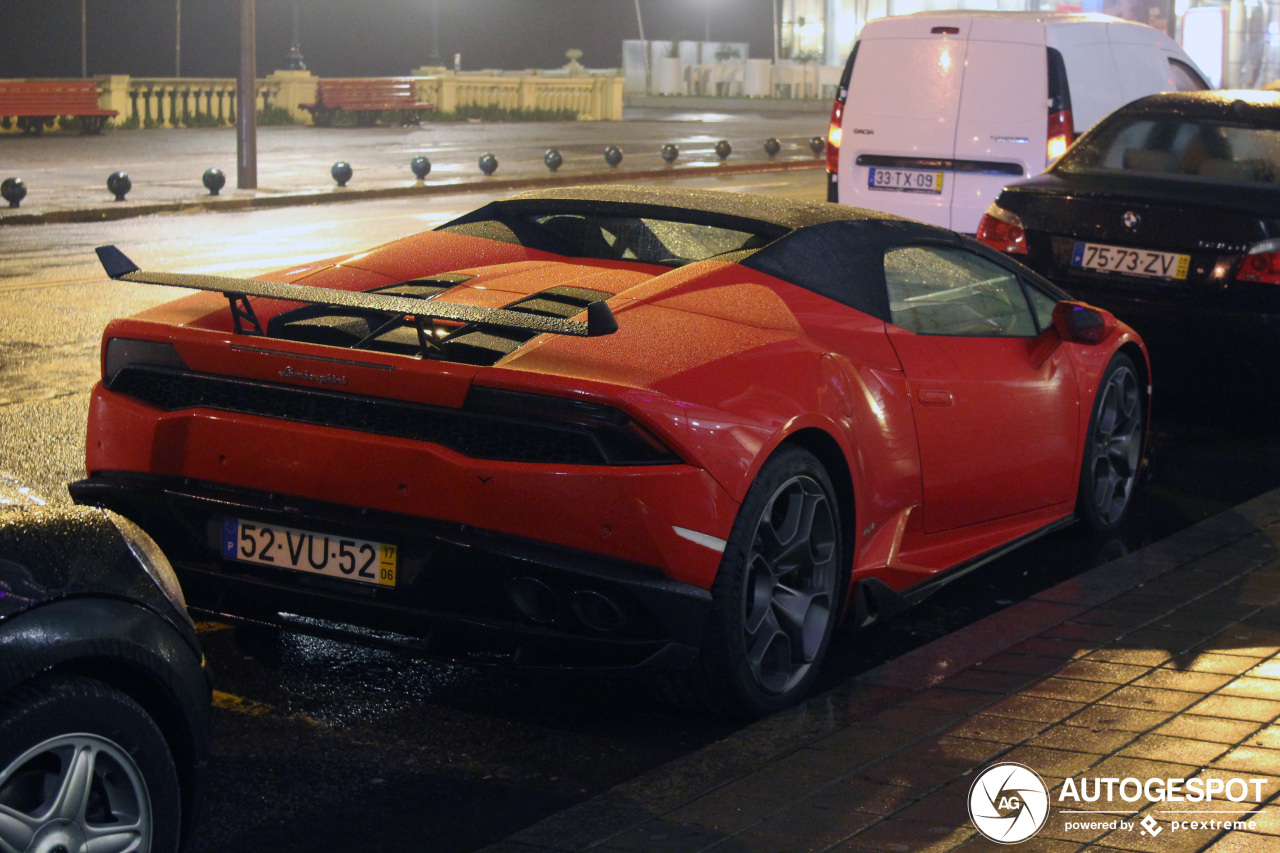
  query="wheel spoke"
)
[
  {"x": 761, "y": 582},
  {"x": 803, "y": 616},
  {"x": 16, "y": 830},
  {"x": 113, "y": 839},
  {"x": 73, "y": 788},
  {"x": 768, "y": 648}
]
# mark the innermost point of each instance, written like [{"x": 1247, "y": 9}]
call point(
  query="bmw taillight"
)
[
  {"x": 1262, "y": 263},
  {"x": 1061, "y": 134},
  {"x": 833, "y": 137},
  {"x": 1002, "y": 231}
]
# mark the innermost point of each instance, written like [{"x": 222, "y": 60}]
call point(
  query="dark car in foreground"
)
[
  {"x": 1167, "y": 213},
  {"x": 104, "y": 698},
  {"x": 674, "y": 430}
]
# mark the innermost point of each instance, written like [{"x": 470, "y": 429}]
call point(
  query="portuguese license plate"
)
[
  {"x": 904, "y": 180},
  {"x": 1139, "y": 262},
  {"x": 308, "y": 551}
]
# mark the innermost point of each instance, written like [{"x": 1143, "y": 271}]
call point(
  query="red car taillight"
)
[
  {"x": 1262, "y": 263},
  {"x": 833, "y": 137},
  {"x": 1061, "y": 134},
  {"x": 1002, "y": 231}
]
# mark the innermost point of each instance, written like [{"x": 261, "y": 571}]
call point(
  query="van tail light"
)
[
  {"x": 1002, "y": 231},
  {"x": 1061, "y": 134},
  {"x": 1262, "y": 263},
  {"x": 833, "y": 138}
]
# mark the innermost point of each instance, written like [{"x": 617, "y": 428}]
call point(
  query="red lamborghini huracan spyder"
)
[{"x": 679, "y": 430}]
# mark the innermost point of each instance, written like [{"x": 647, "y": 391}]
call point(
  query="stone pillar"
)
[
  {"x": 113, "y": 94},
  {"x": 293, "y": 88}
]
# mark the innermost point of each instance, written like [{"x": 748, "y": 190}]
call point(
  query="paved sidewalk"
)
[
  {"x": 66, "y": 174},
  {"x": 1164, "y": 664}
]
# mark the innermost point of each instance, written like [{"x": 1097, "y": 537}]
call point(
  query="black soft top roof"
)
[{"x": 830, "y": 249}]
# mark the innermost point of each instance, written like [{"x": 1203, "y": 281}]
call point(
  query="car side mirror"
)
[{"x": 1078, "y": 323}]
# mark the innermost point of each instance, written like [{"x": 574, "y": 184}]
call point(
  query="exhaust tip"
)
[
  {"x": 534, "y": 600},
  {"x": 598, "y": 612}
]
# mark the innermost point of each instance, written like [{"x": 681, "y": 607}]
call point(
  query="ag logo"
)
[{"x": 1008, "y": 803}]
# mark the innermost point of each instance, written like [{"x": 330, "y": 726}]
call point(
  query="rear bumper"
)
[{"x": 453, "y": 597}]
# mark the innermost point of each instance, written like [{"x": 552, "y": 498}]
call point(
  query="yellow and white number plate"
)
[{"x": 308, "y": 551}]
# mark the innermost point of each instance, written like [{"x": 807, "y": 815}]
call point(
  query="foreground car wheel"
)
[
  {"x": 776, "y": 597},
  {"x": 84, "y": 767},
  {"x": 1113, "y": 452}
]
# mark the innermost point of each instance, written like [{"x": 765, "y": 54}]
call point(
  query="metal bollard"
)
[
  {"x": 553, "y": 159},
  {"x": 488, "y": 163},
  {"x": 13, "y": 190},
  {"x": 213, "y": 180},
  {"x": 670, "y": 152},
  {"x": 613, "y": 156},
  {"x": 772, "y": 146},
  {"x": 119, "y": 184},
  {"x": 723, "y": 149},
  {"x": 341, "y": 172},
  {"x": 421, "y": 167},
  {"x": 817, "y": 145}
]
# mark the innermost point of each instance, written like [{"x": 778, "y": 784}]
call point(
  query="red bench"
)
[
  {"x": 367, "y": 97},
  {"x": 36, "y": 103}
]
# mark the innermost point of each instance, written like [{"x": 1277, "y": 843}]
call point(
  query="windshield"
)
[
  {"x": 650, "y": 241},
  {"x": 1179, "y": 147}
]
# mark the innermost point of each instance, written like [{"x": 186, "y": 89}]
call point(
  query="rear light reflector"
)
[
  {"x": 833, "y": 138},
  {"x": 1262, "y": 263},
  {"x": 1061, "y": 134},
  {"x": 1002, "y": 231},
  {"x": 127, "y": 352}
]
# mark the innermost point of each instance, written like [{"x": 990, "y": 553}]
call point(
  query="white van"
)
[{"x": 937, "y": 111}]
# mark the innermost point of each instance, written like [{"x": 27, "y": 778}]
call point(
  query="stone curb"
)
[{"x": 207, "y": 204}]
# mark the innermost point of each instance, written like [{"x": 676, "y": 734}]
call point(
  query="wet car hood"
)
[{"x": 50, "y": 553}]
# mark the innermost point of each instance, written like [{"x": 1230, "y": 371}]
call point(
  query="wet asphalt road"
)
[{"x": 324, "y": 746}]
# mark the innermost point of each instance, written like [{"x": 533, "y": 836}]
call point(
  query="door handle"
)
[{"x": 936, "y": 397}]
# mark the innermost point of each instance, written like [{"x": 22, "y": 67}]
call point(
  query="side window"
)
[
  {"x": 1185, "y": 77},
  {"x": 1042, "y": 305},
  {"x": 938, "y": 290}
]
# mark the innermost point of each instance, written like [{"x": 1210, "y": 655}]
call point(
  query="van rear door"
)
[
  {"x": 1002, "y": 127},
  {"x": 899, "y": 121}
]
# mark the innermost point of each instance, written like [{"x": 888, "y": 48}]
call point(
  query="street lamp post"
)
[
  {"x": 434, "y": 59},
  {"x": 294, "y": 61},
  {"x": 84, "y": 41},
  {"x": 247, "y": 100}
]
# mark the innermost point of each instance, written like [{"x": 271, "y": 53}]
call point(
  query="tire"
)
[
  {"x": 81, "y": 761},
  {"x": 1113, "y": 447},
  {"x": 776, "y": 597}
]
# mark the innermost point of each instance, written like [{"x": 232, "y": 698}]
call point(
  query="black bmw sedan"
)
[{"x": 1166, "y": 213}]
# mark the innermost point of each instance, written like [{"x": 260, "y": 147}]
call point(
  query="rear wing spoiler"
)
[{"x": 600, "y": 320}]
